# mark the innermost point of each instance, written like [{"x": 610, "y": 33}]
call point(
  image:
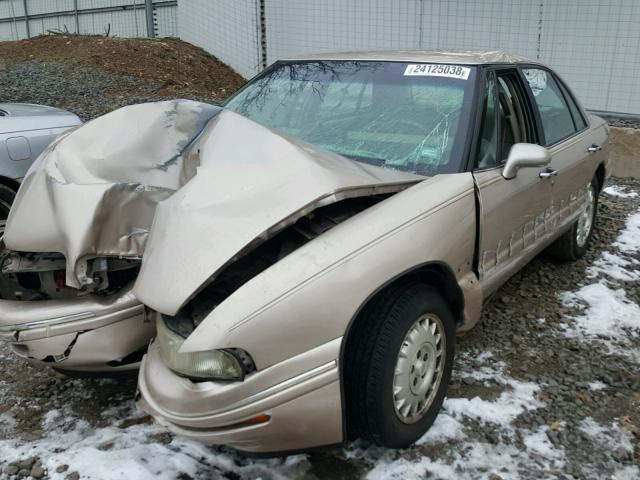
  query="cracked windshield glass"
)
[{"x": 390, "y": 114}]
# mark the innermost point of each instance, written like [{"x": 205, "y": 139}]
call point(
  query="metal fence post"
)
[
  {"x": 75, "y": 14},
  {"x": 26, "y": 18},
  {"x": 148, "y": 10},
  {"x": 262, "y": 20}
]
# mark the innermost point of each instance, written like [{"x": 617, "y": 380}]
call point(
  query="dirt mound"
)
[{"x": 172, "y": 66}]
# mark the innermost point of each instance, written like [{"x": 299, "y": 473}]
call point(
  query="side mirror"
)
[{"x": 525, "y": 155}]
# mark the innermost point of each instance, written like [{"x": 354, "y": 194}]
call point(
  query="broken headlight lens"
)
[{"x": 207, "y": 365}]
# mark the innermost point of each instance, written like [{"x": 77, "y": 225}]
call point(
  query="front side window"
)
[
  {"x": 556, "y": 119},
  {"x": 488, "y": 147},
  {"x": 504, "y": 121},
  {"x": 390, "y": 114}
]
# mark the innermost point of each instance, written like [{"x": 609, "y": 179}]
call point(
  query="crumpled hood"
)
[
  {"x": 216, "y": 182},
  {"x": 94, "y": 191},
  {"x": 250, "y": 183}
]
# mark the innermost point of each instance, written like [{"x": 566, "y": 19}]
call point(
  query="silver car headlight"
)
[{"x": 207, "y": 365}]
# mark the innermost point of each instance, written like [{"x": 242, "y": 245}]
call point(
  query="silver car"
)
[{"x": 25, "y": 131}]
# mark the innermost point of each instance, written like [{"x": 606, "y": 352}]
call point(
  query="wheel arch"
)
[
  {"x": 436, "y": 274},
  {"x": 600, "y": 175}
]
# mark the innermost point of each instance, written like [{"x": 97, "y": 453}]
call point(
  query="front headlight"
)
[{"x": 208, "y": 365}]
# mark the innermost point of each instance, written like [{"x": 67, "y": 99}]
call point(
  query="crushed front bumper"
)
[
  {"x": 84, "y": 334},
  {"x": 291, "y": 406}
]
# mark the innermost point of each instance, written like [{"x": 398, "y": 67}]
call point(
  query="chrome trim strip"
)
[
  {"x": 256, "y": 397},
  {"x": 279, "y": 387},
  {"x": 46, "y": 323},
  {"x": 73, "y": 317}
]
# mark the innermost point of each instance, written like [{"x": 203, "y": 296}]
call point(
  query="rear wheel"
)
[
  {"x": 573, "y": 244},
  {"x": 399, "y": 365}
]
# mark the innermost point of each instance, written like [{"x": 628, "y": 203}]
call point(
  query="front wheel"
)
[
  {"x": 573, "y": 244},
  {"x": 398, "y": 372}
]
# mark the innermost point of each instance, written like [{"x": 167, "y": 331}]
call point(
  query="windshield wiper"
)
[{"x": 378, "y": 162}]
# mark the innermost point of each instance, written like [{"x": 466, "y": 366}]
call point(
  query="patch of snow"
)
[
  {"x": 592, "y": 428},
  {"x": 631, "y": 472},
  {"x": 539, "y": 443},
  {"x": 7, "y": 423},
  {"x": 608, "y": 317},
  {"x": 484, "y": 356},
  {"x": 615, "y": 267},
  {"x": 519, "y": 397},
  {"x": 628, "y": 240},
  {"x": 608, "y": 312},
  {"x": 445, "y": 428},
  {"x": 610, "y": 438},
  {"x": 597, "y": 386},
  {"x": 507, "y": 461},
  {"x": 619, "y": 191},
  {"x": 134, "y": 452}
]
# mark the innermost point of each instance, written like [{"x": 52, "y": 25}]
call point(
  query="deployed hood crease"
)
[{"x": 251, "y": 183}]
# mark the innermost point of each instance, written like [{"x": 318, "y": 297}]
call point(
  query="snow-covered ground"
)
[{"x": 608, "y": 315}]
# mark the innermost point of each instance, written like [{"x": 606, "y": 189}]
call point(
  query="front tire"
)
[
  {"x": 7, "y": 195},
  {"x": 573, "y": 244},
  {"x": 399, "y": 365}
]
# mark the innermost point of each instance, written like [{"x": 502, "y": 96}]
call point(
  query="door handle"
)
[
  {"x": 548, "y": 172},
  {"x": 594, "y": 148}
]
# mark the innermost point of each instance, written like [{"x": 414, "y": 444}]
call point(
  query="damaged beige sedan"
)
[{"x": 309, "y": 251}]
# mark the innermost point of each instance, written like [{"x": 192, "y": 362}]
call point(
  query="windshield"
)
[{"x": 398, "y": 115}]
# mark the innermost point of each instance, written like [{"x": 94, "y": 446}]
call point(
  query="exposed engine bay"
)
[
  {"x": 41, "y": 276},
  {"x": 241, "y": 270}
]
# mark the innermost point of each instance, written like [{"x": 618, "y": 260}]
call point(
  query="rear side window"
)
[
  {"x": 557, "y": 122},
  {"x": 578, "y": 118}
]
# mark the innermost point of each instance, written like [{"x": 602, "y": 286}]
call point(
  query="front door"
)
[{"x": 514, "y": 214}]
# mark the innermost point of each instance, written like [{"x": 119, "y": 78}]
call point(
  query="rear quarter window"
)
[
  {"x": 557, "y": 122},
  {"x": 578, "y": 117}
]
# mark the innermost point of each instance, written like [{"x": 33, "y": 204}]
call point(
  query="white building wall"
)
[
  {"x": 593, "y": 44},
  {"x": 226, "y": 28}
]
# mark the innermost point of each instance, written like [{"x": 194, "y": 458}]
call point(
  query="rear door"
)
[
  {"x": 513, "y": 213},
  {"x": 564, "y": 130}
]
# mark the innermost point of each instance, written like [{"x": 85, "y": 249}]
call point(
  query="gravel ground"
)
[
  {"x": 546, "y": 386},
  {"x": 624, "y": 122}
]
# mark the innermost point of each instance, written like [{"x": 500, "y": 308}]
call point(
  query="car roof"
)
[{"x": 464, "y": 57}]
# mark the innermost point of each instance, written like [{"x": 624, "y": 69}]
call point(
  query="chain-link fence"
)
[
  {"x": 593, "y": 44},
  {"x": 124, "y": 18}
]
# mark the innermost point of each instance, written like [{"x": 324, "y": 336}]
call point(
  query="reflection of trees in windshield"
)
[
  {"x": 368, "y": 111},
  {"x": 314, "y": 75}
]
